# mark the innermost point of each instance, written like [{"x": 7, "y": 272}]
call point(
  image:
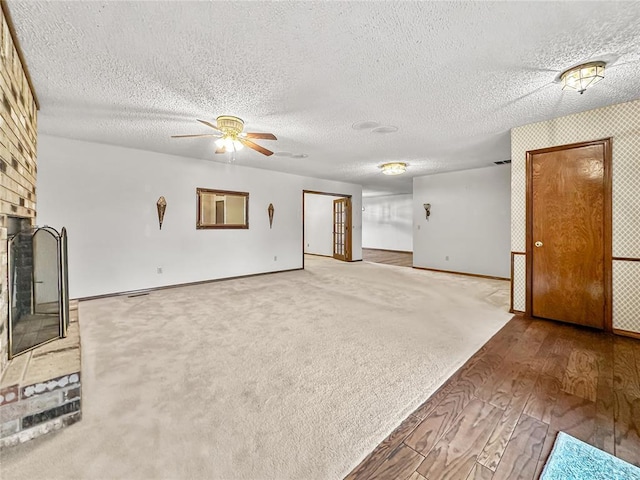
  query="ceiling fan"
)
[{"x": 231, "y": 138}]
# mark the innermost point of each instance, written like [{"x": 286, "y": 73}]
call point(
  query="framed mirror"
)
[{"x": 222, "y": 209}]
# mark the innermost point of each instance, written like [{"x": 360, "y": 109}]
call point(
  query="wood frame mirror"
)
[{"x": 220, "y": 209}]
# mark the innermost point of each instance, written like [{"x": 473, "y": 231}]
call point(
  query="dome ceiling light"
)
[
  {"x": 582, "y": 76},
  {"x": 393, "y": 168}
]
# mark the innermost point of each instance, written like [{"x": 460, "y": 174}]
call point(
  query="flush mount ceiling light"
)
[
  {"x": 393, "y": 168},
  {"x": 582, "y": 76}
]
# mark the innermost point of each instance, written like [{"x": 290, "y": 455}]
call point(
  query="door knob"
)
[{"x": 538, "y": 244}]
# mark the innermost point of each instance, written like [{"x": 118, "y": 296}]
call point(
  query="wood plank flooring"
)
[
  {"x": 498, "y": 416},
  {"x": 388, "y": 257}
]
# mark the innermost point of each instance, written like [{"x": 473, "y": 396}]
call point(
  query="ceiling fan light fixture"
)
[
  {"x": 230, "y": 124},
  {"x": 229, "y": 143},
  {"x": 231, "y": 137},
  {"x": 394, "y": 168},
  {"x": 583, "y": 76}
]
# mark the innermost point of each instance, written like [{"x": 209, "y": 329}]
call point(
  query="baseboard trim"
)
[
  {"x": 626, "y": 259},
  {"x": 387, "y": 250},
  {"x": 329, "y": 256},
  {"x": 627, "y": 333},
  {"x": 516, "y": 312},
  {"x": 464, "y": 273},
  {"x": 178, "y": 285}
]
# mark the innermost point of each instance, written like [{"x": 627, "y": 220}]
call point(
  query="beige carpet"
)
[{"x": 295, "y": 375}]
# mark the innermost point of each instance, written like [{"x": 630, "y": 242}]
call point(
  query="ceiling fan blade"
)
[
  {"x": 209, "y": 124},
  {"x": 256, "y": 147},
  {"x": 187, "y": 136},
  {"x": 264, "y": 136},
  {"x": 221, "y": 150}
]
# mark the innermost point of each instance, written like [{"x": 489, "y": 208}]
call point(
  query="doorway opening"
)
[{"x": 327, "y": 225}]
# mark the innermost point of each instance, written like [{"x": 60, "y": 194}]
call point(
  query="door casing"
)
[
  {"x": 607, "y": 214},
  {"x": 349, "y": 250}
]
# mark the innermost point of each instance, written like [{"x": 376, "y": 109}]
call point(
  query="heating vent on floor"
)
[{"x": 503, "y": 162}]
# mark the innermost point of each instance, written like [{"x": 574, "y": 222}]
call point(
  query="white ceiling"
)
[{"x": 453, "y": 77}]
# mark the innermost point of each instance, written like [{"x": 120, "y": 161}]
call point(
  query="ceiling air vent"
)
[{"x": 504, "y": 162}]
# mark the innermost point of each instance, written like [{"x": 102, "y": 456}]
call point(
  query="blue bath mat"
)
[{"x": 572, "y": 459}]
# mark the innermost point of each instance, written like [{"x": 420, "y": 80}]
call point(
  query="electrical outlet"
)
[
  {"x": 275, "y": 258},
  {"x": 447, "y": 258},
  {"x": 418, "y": 227},
  {"x": 159, "y": 270}
]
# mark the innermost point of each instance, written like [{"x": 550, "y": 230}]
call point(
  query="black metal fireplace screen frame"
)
[{"x": 63, "y": 283}]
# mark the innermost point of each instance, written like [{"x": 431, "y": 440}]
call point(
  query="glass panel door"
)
[{"x": 339, "y": 229}]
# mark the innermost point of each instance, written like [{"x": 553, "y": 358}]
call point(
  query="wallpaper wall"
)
[{"x": 622, "y": 123}]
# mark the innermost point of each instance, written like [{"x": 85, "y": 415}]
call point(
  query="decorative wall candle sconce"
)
[
  {"x": 427, "y": 210},
  {"x": 271, "y": 210},
  {"x": 162, "y": 206}
]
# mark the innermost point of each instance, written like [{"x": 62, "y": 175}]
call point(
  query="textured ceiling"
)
[{"x": 453, "y": 77}]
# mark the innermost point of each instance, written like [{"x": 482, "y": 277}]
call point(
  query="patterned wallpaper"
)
[
  {"x": 622, "y": 123},
  {"x": 626, "y": 289},
  {"x": 519, "y": 282}
]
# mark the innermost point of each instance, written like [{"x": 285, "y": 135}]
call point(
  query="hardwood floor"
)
[
  {"x": 389, "y": 257},
  {"x": 498, "y": 416}
]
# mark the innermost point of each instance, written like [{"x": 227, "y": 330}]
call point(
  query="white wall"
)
[
  {"x": 387, "y": 222},
  {"x": 469, "y": 222},
  {"x": 318, "y": 224},
  {"x": 106, "y": 197}
]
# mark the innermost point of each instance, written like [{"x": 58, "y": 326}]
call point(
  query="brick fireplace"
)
[{"x": 40, "y": 390}]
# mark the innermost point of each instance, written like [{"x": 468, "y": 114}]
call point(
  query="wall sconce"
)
[
  {"x": 270, "y": 210},
  {"x": 161, "y": 205},
  {"x": 427, "y": 209}
]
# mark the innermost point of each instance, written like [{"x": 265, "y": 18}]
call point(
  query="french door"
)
[{"x": 342, "y": 229}]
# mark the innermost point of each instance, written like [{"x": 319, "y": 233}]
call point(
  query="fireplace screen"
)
[{"x": 38, "y": 288}]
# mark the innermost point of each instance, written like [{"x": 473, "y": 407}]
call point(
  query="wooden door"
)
[
  {"x": 342, "y": 229},
  {"x": 569, "y": 233}
]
